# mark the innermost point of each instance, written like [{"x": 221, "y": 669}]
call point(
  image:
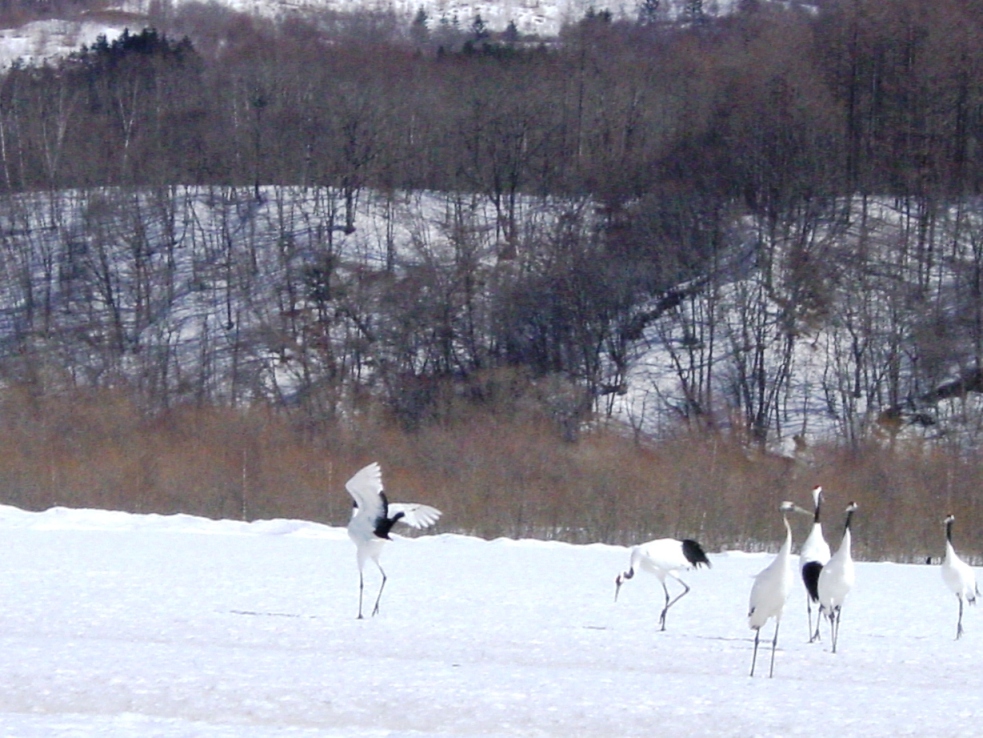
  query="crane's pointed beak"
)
[{"x": 617, "y": 587}]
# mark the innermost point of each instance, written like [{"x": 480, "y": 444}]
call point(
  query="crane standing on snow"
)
[
  {"x": 770, "y": 591},
  {"x": 812, "y": 558},
  {"x": 372, "y": 519},
  {"x": 837, "y": 579},
  {"x": 958, "y": 575},
  {"x": 664, "y": 557}
]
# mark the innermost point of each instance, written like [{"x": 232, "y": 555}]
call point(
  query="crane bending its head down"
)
[{"x": 664, "y": 557}]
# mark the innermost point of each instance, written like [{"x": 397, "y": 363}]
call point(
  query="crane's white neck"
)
[{"x": 786, "y": 548}]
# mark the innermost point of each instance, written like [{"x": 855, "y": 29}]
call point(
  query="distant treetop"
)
[{"x": 147, "y": 43}]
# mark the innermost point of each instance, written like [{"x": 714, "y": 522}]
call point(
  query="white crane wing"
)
[
  {"x": 414, "y": 515},
  {"x": 365, "y": 488}
]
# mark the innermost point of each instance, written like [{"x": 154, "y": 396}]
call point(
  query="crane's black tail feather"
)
[
  {"x": 694, "y": 553},
  {"x": 810, "y": 576}
]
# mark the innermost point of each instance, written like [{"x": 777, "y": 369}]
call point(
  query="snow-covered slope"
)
[
  {"x": 126, "y": 625},
  {"x": 48, "y": 39},
  {"x": 540, "y": 17},
  {"x": 41, "y": 40}
]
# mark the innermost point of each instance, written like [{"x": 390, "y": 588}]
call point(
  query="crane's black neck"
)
[
  {"x": 849, "y": 517},
  {"x": 948, "y": 530},
  {"x": 819, "y": 504}
]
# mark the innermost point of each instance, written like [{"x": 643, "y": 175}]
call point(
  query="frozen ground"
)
[{"x": 120, "y": 625}]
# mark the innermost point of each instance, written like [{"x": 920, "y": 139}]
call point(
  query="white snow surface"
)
[{"x": 144, "y": 625}]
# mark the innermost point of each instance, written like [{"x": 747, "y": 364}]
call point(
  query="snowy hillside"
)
[
  {"x": 40, "y": 40},
  {"x": 233, "y": 325},
  {"x": 790, "y": 353},
  {"x": 122, "y": 625},
  {"x": 540, "y": 17}
]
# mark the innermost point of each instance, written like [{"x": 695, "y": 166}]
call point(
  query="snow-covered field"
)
[{"x": 123, "y": 625}]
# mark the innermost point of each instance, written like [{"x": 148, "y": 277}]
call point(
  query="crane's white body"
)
[
  {"x": 373, "y": 517},
  {"x": 813, "y": 556},
  {"x": 837, "y": 579},
  {"x": 958, "y": 576},
  {"x": 664, "y": 557},
  {"x": 770, "y": 591},
  {"x": 815, "y": 547}
]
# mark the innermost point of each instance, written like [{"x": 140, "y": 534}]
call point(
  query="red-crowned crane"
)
[
  {"x": 664, "y": 557},
  {"x": 812, "y": 558},
  {"x": 958, "y": 575},
  {"x": 770, "y": 591},
  {"x": 372, "y": 519},
  {"x": 837, "y": 579}
]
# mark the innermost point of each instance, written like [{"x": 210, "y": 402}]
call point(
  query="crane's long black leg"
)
[
  {"x": 375, "y": 610},
  {"x": 834, "y": 626},
  {"x": 817, "y": 634},
  {"x": 361, "y": 587},
  {"x": 959, "y": 627},
  {"x": 774, "y": 644},
  {"x": 754, "y": 657},
  {"x": 809, "y": 611},
  {"x": 662, "y": 617},
  {"x": 677, "y": 599}
]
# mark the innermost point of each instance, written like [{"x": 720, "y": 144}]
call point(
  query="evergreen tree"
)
[
  {"x": 695, "y": 12},
  {"x": 648, "y": 12},
  {"x": 478, "y": 31},
  {"x": 419, "y": 31},
  {"x": 511, "y": 33}
]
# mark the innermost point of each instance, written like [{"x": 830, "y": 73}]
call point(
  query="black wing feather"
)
[{"x": 384, "y": 524}]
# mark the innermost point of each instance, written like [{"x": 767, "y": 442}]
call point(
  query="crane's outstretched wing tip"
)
[
  {"x": 369, "y": 470},
  {"x": 415, "y": 515},
  {"x": 427, "y": 516},
  {"x": 366, "y": 482}
]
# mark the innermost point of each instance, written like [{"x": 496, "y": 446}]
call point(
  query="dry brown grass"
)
[{"x": 493, "y": 474}]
